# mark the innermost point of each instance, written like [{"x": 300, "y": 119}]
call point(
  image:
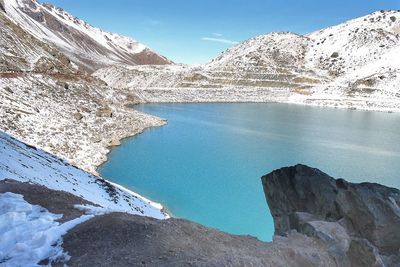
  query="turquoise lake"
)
[{"x": 206, "y": 163}]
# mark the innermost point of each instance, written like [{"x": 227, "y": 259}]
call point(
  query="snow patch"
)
[
  {"x": 30, "y": 233},
  {"x": 93, "y": 210}
]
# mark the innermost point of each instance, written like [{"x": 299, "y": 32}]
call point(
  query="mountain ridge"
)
[
  {"x": 88, "y": 46},
  {"x": 349, "y": 65}
]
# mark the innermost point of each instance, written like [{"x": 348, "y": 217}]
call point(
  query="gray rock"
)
[
  {"x": 78, "y": 116},
  {"x": 362, "y": 253},
  {"x": 337, "y": 212},
  {"x": 335, "y": 55}
]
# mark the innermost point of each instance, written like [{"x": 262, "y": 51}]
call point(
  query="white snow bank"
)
[
  {"x": 92, "y": 210},
  {"x": 24, "y": 163},
  {"x": 30, "y": 233}
]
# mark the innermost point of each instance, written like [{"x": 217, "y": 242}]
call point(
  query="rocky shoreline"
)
[
  {"x": 75, "y": 120},
  {"x": 319, "y": 221},
  {"x": 261, "y": 95}
]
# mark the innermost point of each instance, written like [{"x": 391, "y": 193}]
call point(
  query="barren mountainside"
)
[
  {"x": 20, "y": 51},
  {"x": 87, "y": 46},
  {"x": 49, "y": 101},
  {"x": 354, "y": 64}
]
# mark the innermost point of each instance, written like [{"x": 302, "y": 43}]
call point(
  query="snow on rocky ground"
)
[
  {"x": 21, "y": 52},
  {"x": 86, "y": 45},
  {"x": 352, "y": 65},
  {"x": 30, "y": 233},
  {"x": 74, "y": 120},
  {"x": 46, "y": 101},
  {"x": 25, "y": 163}
]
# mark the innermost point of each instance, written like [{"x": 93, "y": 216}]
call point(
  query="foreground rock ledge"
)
[
  {"x": 319, "y": 221},
  {"x": 359, "y": 223}
]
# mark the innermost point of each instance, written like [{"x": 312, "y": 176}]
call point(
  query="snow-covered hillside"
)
[
  {"x": 21, "y": 52},
  {"x": 355, "y": 64},
  {"x": 25, "y": 163},
  {"x": 73, "y": 119},
  {"x": 86, "y": 45},
  {"x": 48, "y": 101},
  {"x": 364, "y": 52}
]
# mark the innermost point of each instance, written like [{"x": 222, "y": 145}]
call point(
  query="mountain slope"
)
[
  {"x": 48, "y": 101},
  {"x": 359, "y": 49},
  {"x": 341, "y": 54},
  {"x": 87, "y": 46},
  {"x": 19, "y": 51},
  {"x": 24, "y": 163},
  {"x": 355, "y": 64}
]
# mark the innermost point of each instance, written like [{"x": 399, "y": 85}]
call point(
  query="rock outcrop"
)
[{"x": 359, "y": 223}]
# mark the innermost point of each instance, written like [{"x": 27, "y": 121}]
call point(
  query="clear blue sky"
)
[{"x": 195, "y": 31}]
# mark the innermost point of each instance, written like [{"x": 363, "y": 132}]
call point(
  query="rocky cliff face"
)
[{"x": 359, "y": 223}]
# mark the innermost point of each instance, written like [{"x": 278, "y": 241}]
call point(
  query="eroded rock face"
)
[{"x": 359, "y": 222}]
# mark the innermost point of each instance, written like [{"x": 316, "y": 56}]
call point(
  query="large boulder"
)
[{"x": 357, "y": 221}]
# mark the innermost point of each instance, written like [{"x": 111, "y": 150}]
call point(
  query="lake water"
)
[{"x": 206, "y": 164}]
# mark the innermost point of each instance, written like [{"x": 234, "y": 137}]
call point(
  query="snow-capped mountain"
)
[
  {"x": 363, "y": 52},
  {"x": 354, "y": 64},
  {"x": 346, "y": 53},
  {"x": 87, "y": 46},
  {"x": 20, "y": 51}
]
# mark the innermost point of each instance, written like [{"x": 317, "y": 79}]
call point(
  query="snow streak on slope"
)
[
  {"x": 24, "y": 163},
  {"x": 21, "y": 52},
  {"x": 30, "y": 233},
  {"x": 88, "y": 46}
]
